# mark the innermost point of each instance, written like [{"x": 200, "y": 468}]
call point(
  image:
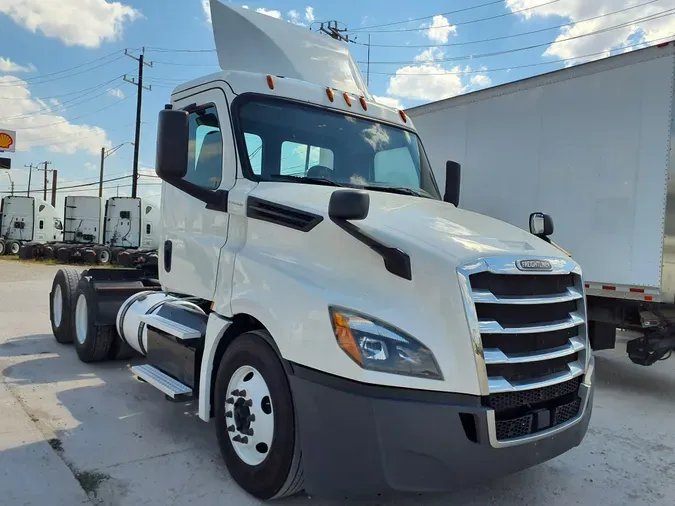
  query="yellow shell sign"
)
[{"x": 7, "y": 140}]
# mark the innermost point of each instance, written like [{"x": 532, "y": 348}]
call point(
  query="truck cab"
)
[{"x": 348, "y": 327}]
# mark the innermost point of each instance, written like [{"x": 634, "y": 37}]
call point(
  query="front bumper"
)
[{"x": 364, "y": 439}]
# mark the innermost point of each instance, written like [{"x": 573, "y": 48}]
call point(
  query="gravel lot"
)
[{"x": 72, "y": 433}]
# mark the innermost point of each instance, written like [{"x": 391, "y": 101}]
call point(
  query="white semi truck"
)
[
  {"x": 26, "y": 220},
  {"x": 98, "y": 231},
  {"x": 348, "y": 327},
  {"x": 593, "y": 146}
]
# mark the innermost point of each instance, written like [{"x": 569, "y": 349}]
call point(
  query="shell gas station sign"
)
[{"x": 7, "y": 141}]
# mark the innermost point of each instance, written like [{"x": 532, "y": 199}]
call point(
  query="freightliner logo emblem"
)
[{"x": 534, "y": 265}]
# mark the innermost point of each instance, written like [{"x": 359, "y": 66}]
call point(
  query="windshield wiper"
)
[
  {"x": 403, "y": 190},
  {"x": 305, "y": 179}
]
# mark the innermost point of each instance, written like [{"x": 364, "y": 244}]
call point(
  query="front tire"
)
[
  {"x": 61, "y": 299},
  {"x": 92, "y": 342},
  {"x": 267, "y": 462}
]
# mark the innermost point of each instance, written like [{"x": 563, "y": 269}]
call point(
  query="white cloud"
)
[
  {"x": 439, "y": 29},
  {"x": 85, "y": 23},
  {"x": 207, "y": 10},
  {"x": 309, "y": 14},
  {"x": 480, "y": 81},
  {"x": 39, "y": 126},
  {"x": 91, "y": 167},
  {"x": 636, "y": 29},
  {"x": 116, "y": 92},
  {"x": 269, "y": 12},
  {"x": 7, "y": 65},
  {"x": 294, "y": 17},
  {"x": 431, "y": 80},
  {"x": 389, "y": 102}
]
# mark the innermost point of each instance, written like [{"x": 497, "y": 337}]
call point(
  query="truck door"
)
[{"x": 192, "y": 232}]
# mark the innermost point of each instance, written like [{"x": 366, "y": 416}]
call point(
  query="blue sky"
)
[{"x": 61, "y": 62}]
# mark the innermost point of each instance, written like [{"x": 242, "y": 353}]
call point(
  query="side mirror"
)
[
  {"x": 173, "y": 132},
  {"x": 541, "y": 225},
  {"x": 348, "y": 205},
  {"x": 453, "y": 176}
]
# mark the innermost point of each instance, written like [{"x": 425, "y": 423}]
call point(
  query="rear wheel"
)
[
  {"x": 103, "y": 255},
  {"x": 3, "y": 247},
  {"x": 92, "y": 342},
  {"x": 255, "y": 419},
  {"x": 60, "y": 304},
  {"x": 13, "y": 247}
]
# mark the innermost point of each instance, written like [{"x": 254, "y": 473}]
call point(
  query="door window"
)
[
  {"x": 42, "y": 224},
  {"x": 205, "y": 149}
]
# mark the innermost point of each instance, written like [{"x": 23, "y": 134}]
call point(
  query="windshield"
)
[{"x": 286, "y": 141}]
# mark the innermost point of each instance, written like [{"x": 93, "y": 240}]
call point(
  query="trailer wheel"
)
[
  {"x": 92, "y": 342},
  {"x": 13, "y": 247},
  {"x": 60, "y": 304},
  {"x": 103, "y": 255},
  {"x": 255, "y": 419},
  {"x": 3, "y": 247}
]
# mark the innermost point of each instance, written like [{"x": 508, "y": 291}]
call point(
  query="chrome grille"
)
[{"x": 529, "y": 331}]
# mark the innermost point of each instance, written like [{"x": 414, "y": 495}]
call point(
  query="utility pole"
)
[
  {"x": 368, "y": 65},
  {"x": 54, "y": 177},
  {"x": 139, "y": 104},
  {"x": 100, "y": 180},
  {"x": 45, "y": 184},
  {"x": 30, "y": 173}
]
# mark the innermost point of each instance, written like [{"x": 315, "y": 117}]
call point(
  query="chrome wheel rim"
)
[
  {"x": 105, "y": 256},
  {"x": 81, "y": 319},
  {"x": 249, "y": 415},
  {"x": 57, "y": 305}
]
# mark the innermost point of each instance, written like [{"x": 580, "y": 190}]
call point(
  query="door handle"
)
[{"x": 168, "y": 246}]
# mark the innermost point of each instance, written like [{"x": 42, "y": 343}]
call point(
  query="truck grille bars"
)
[{"x": 529, "y": 333}]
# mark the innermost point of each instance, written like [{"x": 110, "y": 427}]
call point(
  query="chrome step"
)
[
  {"x": 171, "y": 327},
  {"x": 162, "y": 382}
]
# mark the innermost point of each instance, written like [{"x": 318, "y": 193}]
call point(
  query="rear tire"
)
[
  {"x": 103, "y": 255},
  {"x": 92, "y": 342},
  {"x": 3, "y": 247},
  {"x": 280, "y": 472},
  {"x": 13, "y": 247},
  {"x": 61, "y": 299}
]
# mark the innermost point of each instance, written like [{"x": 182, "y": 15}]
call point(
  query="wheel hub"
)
[
  {"x": 249, "y": 416},
  {"x": 57, "y": 304},
  {"x": 81, "y": 319}
]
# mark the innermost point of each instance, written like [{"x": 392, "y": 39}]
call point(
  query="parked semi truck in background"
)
[
  {"x": 27, "y": 220},
  {"x": 98, "y": 231},
  {"x": 591, "y": 145},
  {"x": 348, "y": 332}
]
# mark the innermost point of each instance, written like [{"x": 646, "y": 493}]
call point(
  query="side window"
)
[
  {"x": 148, "y": 209},
  {"x": 148, "y": 229},
  {"x": 396, "y": 167},
  {"x": 254, "y": 147},
  {"x": 205, "y": 149},
  {"x": 298, "y": 159},
  {"x": 59, "y": 226},
  {"x": 42, "y": 224}
]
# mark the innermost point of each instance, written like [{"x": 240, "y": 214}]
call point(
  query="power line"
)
[
  {"x": 411, "y": 20},
  {"x": 652, "y": 17},
  {"x": 23, "y": 83},
  {"x": 78, "y": 137},
  {"x": 196, "y": 64},
  {"x": 168, "y": 50},
  {"x": 515, "y": 67},
  {"x": 65, "y": 94},
  {"x": 478, "y": 20},
  {"x": 75, "y": 118},
  {"x": 493, "y": 39}
]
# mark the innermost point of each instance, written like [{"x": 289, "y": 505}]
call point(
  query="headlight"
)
[{"x": 376, "y": 346}]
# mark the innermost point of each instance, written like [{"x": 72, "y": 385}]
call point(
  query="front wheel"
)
[{"x": 255, "y": 419}]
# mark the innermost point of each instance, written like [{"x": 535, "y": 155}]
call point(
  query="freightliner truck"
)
[
  {"x": 350, "y": 330},
  {"x": 591, "y": 145},
  {"x": 27, "y": 220}
]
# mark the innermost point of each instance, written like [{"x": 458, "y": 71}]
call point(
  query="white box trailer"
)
[
  {"x": 27, "y": 219},
  {"x": 591, "y": 146}
]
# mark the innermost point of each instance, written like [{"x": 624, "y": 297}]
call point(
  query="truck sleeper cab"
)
[{"x": 349, "y": 331}]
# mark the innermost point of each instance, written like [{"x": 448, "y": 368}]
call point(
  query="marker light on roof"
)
[
  {"x": 270, "y": 82},
  {"x": 364, "y": 104},
  {"x": 331, "y": 95},
  {"x": 347, "y": 99},
  {"x": 403, "y": 115}
]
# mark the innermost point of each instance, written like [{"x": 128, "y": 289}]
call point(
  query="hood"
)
[{"x": 464, "y": 235}]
